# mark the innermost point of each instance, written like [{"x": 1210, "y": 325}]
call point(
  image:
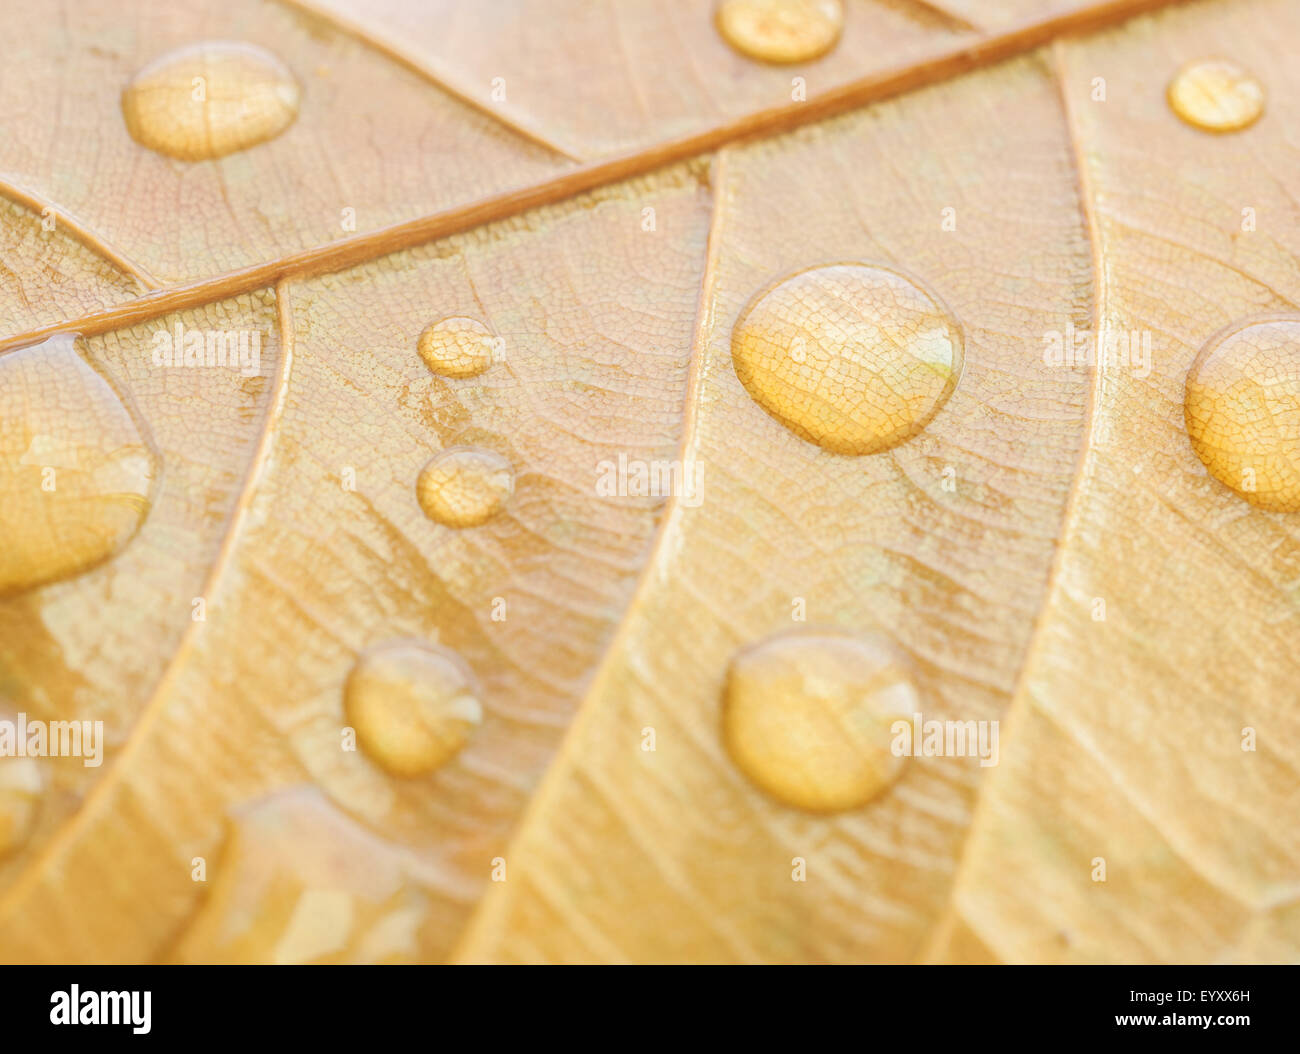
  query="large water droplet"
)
[
  {"x": 76, "y": 474},
  {"x": 457, "y": 347},
  {"x": 413, "y": 705},
  {"x": 1216, "y": 95},
  {"x": 464, "y": 486},
  {"x": 781, "y": 30},
  {"x": 208, "y": 100},
  {"x": 1243, "y": 410},
  {"x": 807, "y": 714},
  {"x": 854, "y": 358}
]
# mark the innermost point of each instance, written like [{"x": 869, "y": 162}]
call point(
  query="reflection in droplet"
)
[
  {"x": 1243, "y": 410},
  {"x": 464, "y": 486},
  {"x": 1216, "y": 95},
  {"x": 208, "y": 100},
  {"x": 457, "y": 347},
  {"x": 806, "y": 716},
  {"x": 75, "y": 472},
  {"x": 413, "y": 705},
  {"x": 854, "y": 358},
  {"x": 781, "y": 30}
]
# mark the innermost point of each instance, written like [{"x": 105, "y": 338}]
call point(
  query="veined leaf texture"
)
[{"x": 766, "y": 481}]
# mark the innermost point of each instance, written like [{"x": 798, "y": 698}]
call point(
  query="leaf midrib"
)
[
  {"x": 960, "y": 58},
  {"x": 1013, "y": 714}
]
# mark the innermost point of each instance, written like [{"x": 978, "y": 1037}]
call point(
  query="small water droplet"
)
[
  {"x": 413, "y": 705},
  {"x": 1216, "y": 95},
  {"x": 856, "y": 359},
  {"x": 781, "y": 30},
  {"x": 1242, "y": 410},
  {"x": 76, "y": 475},
  {"x": 207, "y": 100},
  {"x": 20, "y": 797},
  {"x": 464, "y": 486},
  {"x": 457, "y": 347},
  {"x": 806, "y": 716}
]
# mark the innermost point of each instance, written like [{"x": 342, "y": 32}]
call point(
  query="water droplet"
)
[
  {"x": 207, "y": 100},
  {"x": 464, "y": 487},
  {"x": 299, "y": 881},
  {"x": 413, "y": 705},
  {"x": 1216, "y": 95},
  {"x": 457, "y": 347},
  {"x": 856, "y": 359},
  {"x": 20, "y": 796},
  {"x": 76, "y": 474},
  {"x": 807, "y": 714},
  {"x": 781, "y": 30},
  {"x": 1243, "y": 410}
]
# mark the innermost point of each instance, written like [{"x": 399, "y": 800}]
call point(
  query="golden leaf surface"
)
[{"x": 473, "y": 275}]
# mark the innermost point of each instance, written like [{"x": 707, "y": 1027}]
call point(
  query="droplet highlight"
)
[
  {"x": 208, "y": 100},
  {"x": 1216, "y": 96},
  {"x": 413, "y": 705},
  {"x": 806, "y": 716},
  {"x": 781, "y": 31},
  {"x": 1242, "y": 410},
  {"x": 76, "y": 473},
  {"x": 465, "y": 487},
  {"x": 457, "y": 347},
  {"x": 854, "y": 358}
]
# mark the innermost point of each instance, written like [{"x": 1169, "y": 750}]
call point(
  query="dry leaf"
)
[{"x": 533, "y": 553}]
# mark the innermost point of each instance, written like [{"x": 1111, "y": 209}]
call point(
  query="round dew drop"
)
[
  {"x": 414, "y": 706},
  {"x": 854, "y": 358},
  {"x": 208, "y": 100},
  {"x": 807, "y": 716},
  {"x": 464, "y": 486},
  {"x": 781, "y": 31},
  {"x": 76, "y": 472},
  {"x": 457, "y": 347},
  {"x": 1216, "y": 96},
  {"x": 1242, "y": 410}
]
